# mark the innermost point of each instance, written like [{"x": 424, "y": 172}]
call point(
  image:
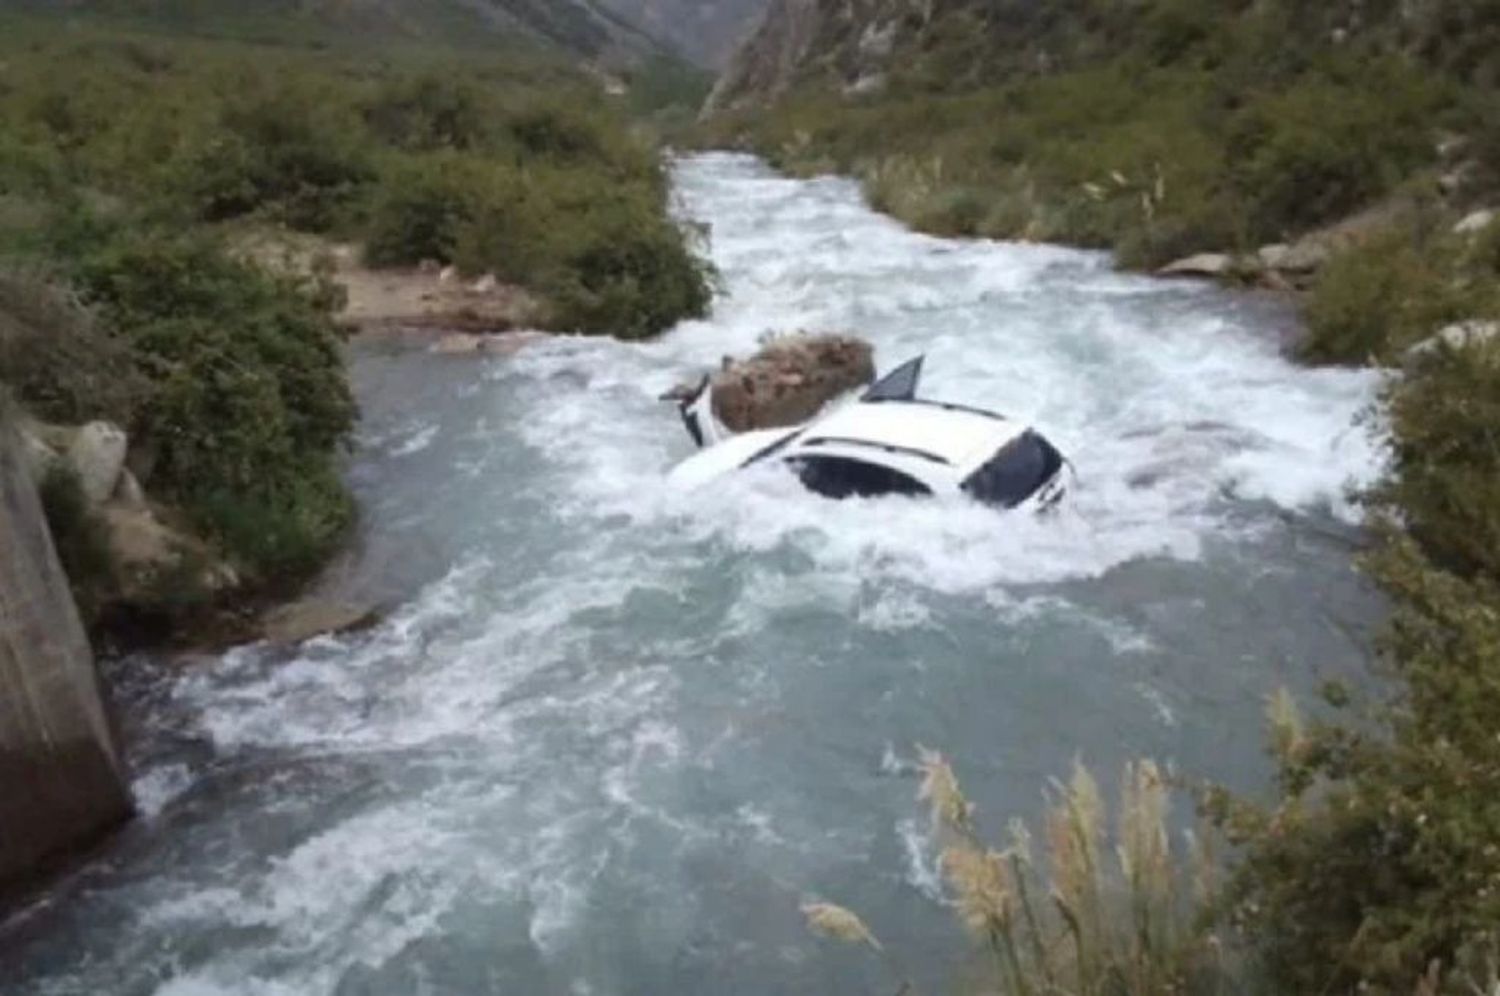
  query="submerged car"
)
[{"x": 889, "y": 442}]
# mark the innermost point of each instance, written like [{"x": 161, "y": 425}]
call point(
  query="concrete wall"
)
[{"x": 61, "y": 779}]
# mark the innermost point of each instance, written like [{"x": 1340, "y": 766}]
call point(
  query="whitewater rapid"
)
[{"x": 610, "y": 735}]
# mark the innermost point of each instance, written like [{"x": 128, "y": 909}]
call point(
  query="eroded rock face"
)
[
  {"x": 61, "y": 779},
  {"x": 790, "y": 379}
]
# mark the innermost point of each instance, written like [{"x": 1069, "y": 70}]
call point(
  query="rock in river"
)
[{"x": 790, "y": 379}]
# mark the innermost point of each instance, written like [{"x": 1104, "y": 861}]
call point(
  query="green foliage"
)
[
  {"x": 422, "y": 208},
  {"x": 1324, "y": 146},
  {"x": 1445, "y": 461},
  {"x": 1394, "y": 290},
  {"x": 1161, "y": 129},
  {"x": 58, "y": 360},
  {"x": 1376, "y": 866},
  {"x": 410, "y": 155},
  {"x": 278, "y": 148},
  {"x": 247, "y": 395}
]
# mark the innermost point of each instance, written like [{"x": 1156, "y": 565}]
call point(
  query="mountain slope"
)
[
  {"x": 581, "y": 27},
  {"x": 948, "y": 45},
  {"x": 706, "y": 31}
]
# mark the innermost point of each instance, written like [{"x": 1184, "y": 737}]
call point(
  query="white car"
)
[{"x": 888, "y": 442}]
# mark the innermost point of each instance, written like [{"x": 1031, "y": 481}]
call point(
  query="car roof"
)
[{"x": 956, "y": 435}]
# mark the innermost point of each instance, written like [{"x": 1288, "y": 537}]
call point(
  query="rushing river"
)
[{"x": 610, "y": 736}]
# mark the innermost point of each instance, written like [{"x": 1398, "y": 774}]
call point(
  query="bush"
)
[
  {"x": 1376, "y": 867},
  {"x": 1375, "y": 300},
  {"x": 61, "y": 364},
  {"x": 1324, "y": 147},
  {"x": 428, "y": 113},
  {"x": 247, "y": 394},
  {"x": 1445, "y": 467},
  {"x": 421, "y": 209},
  {"x": 280, "y": 149},
  {"x": 627, "y": 274}
]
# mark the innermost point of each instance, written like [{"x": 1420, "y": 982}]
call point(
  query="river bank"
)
[{"x": 593, "y": 696}]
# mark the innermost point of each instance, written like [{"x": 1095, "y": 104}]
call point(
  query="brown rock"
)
[
  {"x": 301, "y": 621},
  {"x": 790, "y": 379}
]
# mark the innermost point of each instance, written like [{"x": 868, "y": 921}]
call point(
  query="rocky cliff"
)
[{"x": 61, "y": 777}]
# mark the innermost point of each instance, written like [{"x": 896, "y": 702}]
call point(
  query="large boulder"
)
[
  {"x": 790, "y": 379},
  {"x": 97, "y": 456}
]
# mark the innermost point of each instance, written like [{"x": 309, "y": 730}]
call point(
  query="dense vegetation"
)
[
  {"x": 1167, "y": 127},
  {"x": 135, "y": 167},
  {"x": 1158, "y": 129}
]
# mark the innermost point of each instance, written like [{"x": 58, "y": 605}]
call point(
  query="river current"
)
[{"x": 610, "y": 736}]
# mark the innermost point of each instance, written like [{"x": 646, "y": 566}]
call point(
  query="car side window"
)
[
  {"x": 1013, "y": 474},
  {"x": 845, "y": 477}
]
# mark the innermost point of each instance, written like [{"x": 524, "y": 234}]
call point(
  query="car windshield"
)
[
  {"x": 1013, "y": 474},
  {"x": 844, "y": 477}
]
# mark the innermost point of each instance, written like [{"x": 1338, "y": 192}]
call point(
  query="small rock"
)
[
  {"x": 1302, "y": 258},
  {"x": 98, "y": 456},
  {"x": 1205, "y": 264},
  {"x": 1476, "y": 222},
  {"x": 447, "y": 274},
  {"x": 485, "y": 284},
  {"x": 1456, "y": 336},
  {"x": 458, "y": 343},
  {"x": 429, "y": 267},
  {"x": 301, "y": 621}
]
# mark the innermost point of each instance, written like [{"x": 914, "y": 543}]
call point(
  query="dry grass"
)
[{"x": 1095, "y": 920}]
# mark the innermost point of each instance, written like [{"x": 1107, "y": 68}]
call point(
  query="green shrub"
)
[
  {"x": 627, "y": 274},
  {"x": 1376, "y": 866},
  {"x": 1445, "y": 464},
  {"x": 57, "y": 358},
  {"x": 1324, "y": 147},
  {"x": 1374, "y": 300},
  {"x": 421, "y": 208},
  {"x": 279, "y": 148},
  {"x": 247, "y": 392},
  {"x": 427, "y": 113}
]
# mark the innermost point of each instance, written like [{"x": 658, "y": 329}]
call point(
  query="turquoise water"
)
[{"x": 611, "y": 736}]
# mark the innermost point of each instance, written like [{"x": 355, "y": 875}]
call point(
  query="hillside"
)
[
  {"x": 705, "y": 31},
  {"x": 585, "y": 28},
  {"x": 950, "y": 45}
]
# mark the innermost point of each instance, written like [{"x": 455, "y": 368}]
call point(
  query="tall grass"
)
[{"x": 1102, "y": 911}]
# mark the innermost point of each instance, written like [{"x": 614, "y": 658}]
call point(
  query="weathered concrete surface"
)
[{"x": 61, "y": 778}]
